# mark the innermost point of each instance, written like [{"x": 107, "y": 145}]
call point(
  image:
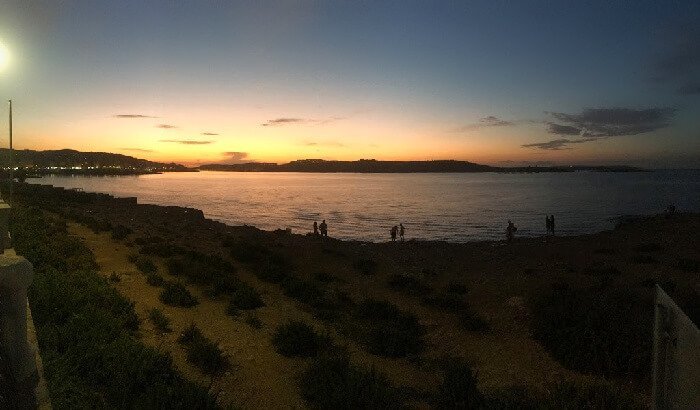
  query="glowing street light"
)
[{"x": 4, "y": 56}]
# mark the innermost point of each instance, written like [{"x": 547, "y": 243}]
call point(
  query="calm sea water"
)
[{"x": 452, "y": 207}]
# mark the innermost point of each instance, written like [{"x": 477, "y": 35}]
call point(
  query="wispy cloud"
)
[
  {"x": 558, "y": 144},
  {"x": 166, "y": 126},
  {"x": 236, "y": 157},
  {"x": 133, "y": 116},
  {"x": 323, "y": 144},
  {"x": 679, "y": 63},
  {"x": 189, "y": 142},
  {"x": 136, "y": 149},
  {"x": 283, "y": 121},
  {"x": 292, "y": 121},
  {"x": 610, "y": 122},
  {"x": 210, "y": 133},
  {"x": 486, "y": 122}
]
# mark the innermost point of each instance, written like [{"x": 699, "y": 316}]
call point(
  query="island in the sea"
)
[{"x": 375, "y": 166}]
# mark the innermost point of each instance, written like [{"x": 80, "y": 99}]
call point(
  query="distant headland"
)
[
  {"x": 30, "y": 163},
  {"x": 375, "y": 166}
]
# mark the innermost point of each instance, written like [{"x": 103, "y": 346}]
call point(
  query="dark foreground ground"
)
[{"x": 291, "y": 320}]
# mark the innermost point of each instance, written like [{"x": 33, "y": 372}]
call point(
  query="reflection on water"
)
[{"x": 453, "y": 207}]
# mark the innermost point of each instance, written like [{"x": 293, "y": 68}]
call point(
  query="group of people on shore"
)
[
  {"x": 322, "y": 230},
  {"x": 511, "y": 229}
]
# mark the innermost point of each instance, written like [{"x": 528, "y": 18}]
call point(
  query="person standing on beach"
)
[
  {"x": 510, "y": 230},
  {"x": 548, "y": 223},
  {"x": 551, "y": 223},
  {"x": 393, "y": 233},
  {"x": 315, "y": 229},
  {"x": 324, "y": 229},
  {"x": 401, "y": 231}
]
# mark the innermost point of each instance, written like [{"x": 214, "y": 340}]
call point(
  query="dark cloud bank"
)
[{"x": 594, "y": 124}]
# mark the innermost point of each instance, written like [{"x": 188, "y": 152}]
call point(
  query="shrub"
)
[
  {"x": 120, "y": 232},
  {"x": 604, "y": 251},
  {"x": 458, "y": 389},
  {"x": 597, "y": 330},
  {"x": 296, "y": 338},
  {"x": 175, "y": 294},
  {"x": 155, "y": 279},
  {"x": 602, "y": 270},
  {"x": 365, "y": 266},
  {"x": 159, "y": 320},
  {"x": 408, "y": 284},
  {"x": 387, "y": 331},
  {"x": 647, "y": 247},
  {"x": 591, "y": 395},
  {"x": 114, "y": 277},
  {"x": 273, "y": 270},
  {"x": 644, "y": 259},
  {"x": 331, "y": 382},
  {"x": 253, "y": 321},
  {"x": 145, "y": 265},
  {"x": 246, "y": 252},
  {"x": 689, "y": 265},
  {"x": 444, "y": 301},
  {"x": 456, "y": 288},
  {"x": 162, "y": 249},
  {"x": 472, "y": 321},
  {"x": 202, "y": 352},
  {"x": 323, "y": 276},
  {"x": 245, "y": 297},
  {"x": 303, "y": 291}
]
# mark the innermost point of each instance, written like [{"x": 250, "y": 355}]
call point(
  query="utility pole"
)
[{"x": 9, "y": 199}]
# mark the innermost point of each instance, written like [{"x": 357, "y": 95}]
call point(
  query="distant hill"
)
[
  {"x": 363, "y": 166},
  {"x": 76, "y": 162},
  {"x": 371, "y": 166}
]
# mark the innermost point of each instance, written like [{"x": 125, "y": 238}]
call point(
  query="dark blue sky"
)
[{"x": 562, "y": 82}]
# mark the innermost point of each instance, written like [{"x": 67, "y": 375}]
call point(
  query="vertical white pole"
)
[{"x": 9, "y": 199}]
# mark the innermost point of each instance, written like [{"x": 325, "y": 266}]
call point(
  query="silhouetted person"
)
[
  {"x": 324, "y": 228},
  {"x": 393, "y": 233},
  {"x": 401, "y": 231},
  {"x": 510, "y": 230},
  {"x": 551, "y": 223},
  {"x": 315, "y": 228},
  {"x": 548, "y": 223},
  {"x": 671, "y": 209}
]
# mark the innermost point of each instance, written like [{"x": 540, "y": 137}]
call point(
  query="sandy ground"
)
[{"x": 499, "y": 277}]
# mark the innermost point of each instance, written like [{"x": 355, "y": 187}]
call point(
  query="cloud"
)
[
  {"x": 189, "y": 142},
  {"x": 558, "y": 144},
  {"x": 679, "y": 63},
  {"x": 323, "y": 143},
  {"x": 291, "y": 121},
  {"x": 136, "y": 149},
  {"x": 166, "y": 126},
  {"x": 236, "y": 157},
  {"x": 283, "y": 121},
  {"x": 209, "y": 133},
  {"x": 689, "y": 89},
  {"x": 559, "y": 129},
  {"x": 489, "y": 121},
  {"x": 611, "y": 122},
  {"x": 133, "y": 116}
]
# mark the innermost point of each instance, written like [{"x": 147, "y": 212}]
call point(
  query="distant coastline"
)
[{"x": 375, "y": 166}]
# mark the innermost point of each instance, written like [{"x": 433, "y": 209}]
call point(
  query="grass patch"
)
[
  {"x": 85, "y": 328},
  {"x": 332, "y": 382},
  {"x": 387, "y": 331},
  {"x": 145, "y": 265},
  {"x": 159, "y": 320},
  {"x": 175, "y": 294},
  {"x": 689, "y": 265},
  {"x": 297, "y": 339},
  {"x": 458, "y": 388},
  {"x": 597, "y": 330},
  {"x": 253, "y": 321},
  {"x": 155, "y": 279},
  {"x": 120, "y": 232},
  {"x": 365, "y": 266},
  {"x": 202, "y": 352},
  {"x": 245, "y": 298},
  {"x": 408, "y": 284}
]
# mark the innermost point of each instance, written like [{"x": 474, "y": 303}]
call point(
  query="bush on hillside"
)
[
  {"x": 202, "y": 352},
  {"x": 297, "y": 338},
  {"x": 175, "y": 294}
]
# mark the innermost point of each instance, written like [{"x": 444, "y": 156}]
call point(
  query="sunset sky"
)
[{"x": 494, "y": 82}]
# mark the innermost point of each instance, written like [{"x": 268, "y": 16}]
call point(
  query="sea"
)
[{"x": 454, "y": 207}]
